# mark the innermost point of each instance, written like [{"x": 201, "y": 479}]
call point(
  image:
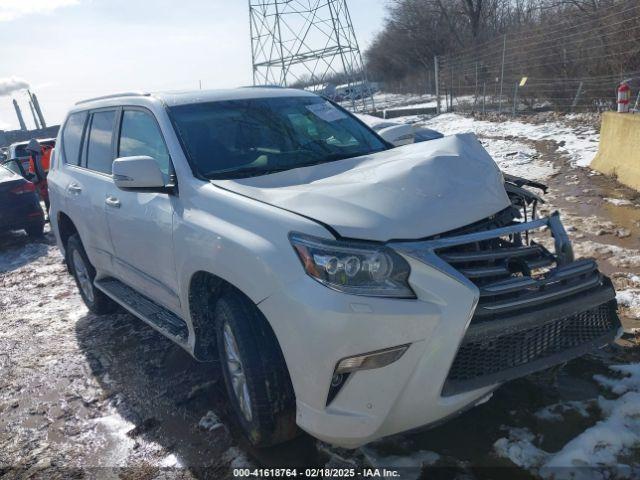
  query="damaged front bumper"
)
[
  {"x": 536, "y": 308},
  {"x": 493, "y": 302}
]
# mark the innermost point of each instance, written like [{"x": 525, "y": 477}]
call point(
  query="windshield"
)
[{"x": 243, "y": 138}]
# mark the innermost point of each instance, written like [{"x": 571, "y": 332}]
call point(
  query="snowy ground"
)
[
  {"x": 79, "y": 391},
  {"x": 391, "y": 101}
]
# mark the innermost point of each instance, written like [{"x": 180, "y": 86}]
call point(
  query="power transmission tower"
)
[{"x": 308, "y": 43}]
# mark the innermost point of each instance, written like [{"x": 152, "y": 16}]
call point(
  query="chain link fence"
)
[{"x": 572, "y": 66}]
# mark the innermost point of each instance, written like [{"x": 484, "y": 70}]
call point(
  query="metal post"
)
[
  {"x": 437, "y": 79},
  {"x": 504, "y": 48},
  {"x": 484, "y": 96},
  {"x": 450, "y": 85},
  {"x": 515, "y": 99},
  {"x": 475, "y": 92},
  {"x": 575, "y": 99}
]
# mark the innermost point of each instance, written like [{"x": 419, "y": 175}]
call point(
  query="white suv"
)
[{"x": 346, "y": 287}]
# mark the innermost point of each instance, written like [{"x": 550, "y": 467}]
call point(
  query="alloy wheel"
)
[
  {"x": 82, "y": 274},
  {"x": 236, "y": 371}
]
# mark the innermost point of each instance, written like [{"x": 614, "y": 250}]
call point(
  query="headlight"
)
[{"x": 354, "y": 267}]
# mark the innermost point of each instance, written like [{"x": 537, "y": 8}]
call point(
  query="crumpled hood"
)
[{"x": 409, "y": 192}]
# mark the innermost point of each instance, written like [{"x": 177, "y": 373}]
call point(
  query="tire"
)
[
  {"x": 84, "y": 273},
  {"x": 35, "y": 231},
  {"x": 272, "y": 411}
]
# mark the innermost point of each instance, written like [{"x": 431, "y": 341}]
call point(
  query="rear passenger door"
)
[
  {"x": 141, "y": 223},
  {"x": 88, "y": 183}
]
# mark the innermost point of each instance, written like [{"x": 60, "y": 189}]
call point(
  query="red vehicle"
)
[{"x": 31, "y": 160}]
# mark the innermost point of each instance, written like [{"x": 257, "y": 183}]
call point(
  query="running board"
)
[{"x": 158, "y": 317}]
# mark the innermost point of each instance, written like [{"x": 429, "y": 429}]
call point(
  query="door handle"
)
[
  {"x": 74, "y": 188},
  {"x": 112, "y": 202}
]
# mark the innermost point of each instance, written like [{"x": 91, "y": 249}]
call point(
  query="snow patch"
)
[
  {"x": 236, "y": 458},
  {"x": 630, "y": 298},
  {"x": 618, "y": 201},
  {"x": 580, "y": 147},
  {"x": 617, "y": 256},
  {"x": 170, "y": 461},
  {"x": 16, "y": 258},
  {"x": 518, "y": 159},
  {"x": 210, "y": 422},
  {"x": 601, "y": 445},
  {"x": 555, "y": 412},
  {"x": 118, "y": 444},
  {"x": 519, "y": 448}
]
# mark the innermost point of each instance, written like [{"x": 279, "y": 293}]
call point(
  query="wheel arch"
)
[
  {"x": 65, "y": 229},
  {"x": 205, "y": 288}
]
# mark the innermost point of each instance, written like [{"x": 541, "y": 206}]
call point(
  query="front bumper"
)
[
  {"x": 316, "y": 327},
  {"x": 454, "y": 360}
]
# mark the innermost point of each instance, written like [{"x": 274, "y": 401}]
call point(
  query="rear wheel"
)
[
  {"x": 255, "y": 373},
  {"x": 84, "y": 274},
  {"x": 35, "y": 231}
]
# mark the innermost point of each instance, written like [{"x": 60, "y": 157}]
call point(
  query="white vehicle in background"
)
[
  {"x": 399, "y": 134},
  {"x": 354, "y": 91},
  {"x": 347, "y": 288},
  {"x": 323, "y": 89}
]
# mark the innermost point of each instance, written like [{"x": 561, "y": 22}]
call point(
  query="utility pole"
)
[{"x": 307, "y": 43}]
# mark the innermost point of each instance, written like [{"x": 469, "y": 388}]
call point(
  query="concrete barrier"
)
[{"x": 619, "y": 150}]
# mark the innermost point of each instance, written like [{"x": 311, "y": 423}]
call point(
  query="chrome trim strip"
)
[{"x": 497, "y": 307}]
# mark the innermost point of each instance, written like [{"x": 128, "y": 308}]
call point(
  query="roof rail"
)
[
  {"x": 114, "y": 95},
  {"x": 263, "y": 86}
]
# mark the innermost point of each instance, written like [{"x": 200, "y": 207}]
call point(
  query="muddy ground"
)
[{"x": 97, "y": 397}]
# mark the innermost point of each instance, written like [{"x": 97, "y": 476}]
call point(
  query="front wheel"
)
[
  {"x": 255, "y": 373},
  {"x": 84, "y": 274}
]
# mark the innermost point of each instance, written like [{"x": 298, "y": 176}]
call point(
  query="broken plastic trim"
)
[
  {"x": 366, "y": 361},
  {"x": 371, "y": 360},
  {"x": 425, "y": 250}
]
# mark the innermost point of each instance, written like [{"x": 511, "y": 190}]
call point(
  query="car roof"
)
[
  {"x": 203, "y": 96},
  {"x": 26, "y": 142},
  {"x": 186, "y": 97}
]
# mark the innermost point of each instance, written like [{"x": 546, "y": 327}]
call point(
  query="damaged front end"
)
[{"x": 537, "y": 305}]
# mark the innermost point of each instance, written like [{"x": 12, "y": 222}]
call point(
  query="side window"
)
[
  {"x": 140, "y": 135},
  {"x": 99, "y": 154},
  {"x": 72, "y": 137}
]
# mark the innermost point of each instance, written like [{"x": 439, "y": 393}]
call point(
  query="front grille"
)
[
  {"x": 536, "y": 307},
  {"x": 514, "y": 270},
  {"x": 484, "y": 359}
]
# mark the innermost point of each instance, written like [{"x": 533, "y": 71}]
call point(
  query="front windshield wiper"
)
[
  {"x": 242, "y": 172},
  {"x": 258, "y": 171}
]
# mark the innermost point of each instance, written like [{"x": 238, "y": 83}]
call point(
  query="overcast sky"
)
[{"x": 73, "y": 49}]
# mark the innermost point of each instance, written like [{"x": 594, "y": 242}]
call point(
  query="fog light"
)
[{"x": 368, "y": 361}]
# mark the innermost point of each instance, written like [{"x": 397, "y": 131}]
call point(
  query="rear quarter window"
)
[{"x": 72, "y": 137}]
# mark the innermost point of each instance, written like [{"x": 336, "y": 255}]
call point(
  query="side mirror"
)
[
  {"x": 398, "y": 135},
  {"x": 137, "y": 173}
]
